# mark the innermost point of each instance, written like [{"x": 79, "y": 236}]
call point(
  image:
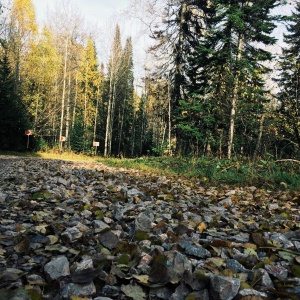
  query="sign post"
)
[
  {"x": 28, "y": 132},
  {"x": 96, "y": 144}
]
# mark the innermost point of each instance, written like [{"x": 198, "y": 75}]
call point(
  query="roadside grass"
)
[
  {"x": 212, "y": 171},
  {"x": 269, "y": 174}
]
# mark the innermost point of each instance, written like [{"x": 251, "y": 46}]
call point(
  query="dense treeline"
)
[{"x": 210, "y": 93}]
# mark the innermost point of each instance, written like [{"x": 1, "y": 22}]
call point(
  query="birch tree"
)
[
  {"x": 21, "y": 31},
  {"x": 38, "y": 81}
]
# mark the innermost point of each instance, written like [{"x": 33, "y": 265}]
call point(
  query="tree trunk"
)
[
  {"x": 122, "y": 122},
  {"x": 260, "y": 133},
  {"x": 109, "y": 119},
  {"x": 63, "y": 97},
  {"x": 75, "y": 101},
  {"x": 36, "y": 109},
  {"x": 169, "y": 119},
  {"x": 68, "y": 111},
  {"x": 234, "y": 98},
  {"x": 96, "y": 114}
]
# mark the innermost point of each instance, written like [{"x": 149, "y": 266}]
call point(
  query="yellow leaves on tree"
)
[{"x": 23, "y": 14}]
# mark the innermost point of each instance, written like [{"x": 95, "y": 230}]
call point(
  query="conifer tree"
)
[
  {"x": 289, "y": 84},
  {"x": 125, "y": 105},
  {"x": 226, "y": 72},
  {"x": 114, "y": 75},
  {"x": 13, "y": 121},
  {"x": 89, "y": 83}
]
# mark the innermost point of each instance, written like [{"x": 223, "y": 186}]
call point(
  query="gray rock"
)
[
  {"x": 181, "y": 292},
  {"x": 133, "y": 193},
  {"x": 297, "y": 245},
  {"x": 62, "y": 181},
  {"x": 118, "y": 212},
  {"x": 265, "y": 279},
  {"x": 57, "y": 268},
  {"x": 35, "y": 279},
  {"x": 99, "y": 226},
  {"x": 197, "y": 251},
  {"x": 81, "y": 290},
  {"x": 86, "y": 263},
  {"x": 3, "y": 197},
  {"x": 273, "y": 206},
  {"x": 161, "y": 293},
  {"x": 109, "y": 239},
  {"x": 167, "y": 216},
  {"x": 224, "y": 288},
  {"x": 235, "y": 266},
  {"x": 278, "y": 237},
  {"x": 241, "y": 238},
  {"x": 277, "y": 271},
  {"x": 177, "y": 265},
  {"x": 71, "y": 234},
  {"x": 253, "y": 294},
  {"x": 144, "y": 221},
  {"x": 226, "y": 202},
  {"x": 184, "y": 244},
  {"x": 86, "y": 214},
  {"x": 110, "y": 290}
]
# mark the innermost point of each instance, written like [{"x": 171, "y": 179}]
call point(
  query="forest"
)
[{"x": 216, "y": 87}]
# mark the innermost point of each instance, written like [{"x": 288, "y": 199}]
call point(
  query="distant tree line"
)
[{"x": 212, "y": 92}]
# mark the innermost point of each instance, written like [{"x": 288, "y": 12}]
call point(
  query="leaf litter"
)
[{"x": 82, "y": 230}]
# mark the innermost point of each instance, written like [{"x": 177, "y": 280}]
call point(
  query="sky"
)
[
  {"x": 101, "y": 14},
  {"x": 95, "y": 10}
]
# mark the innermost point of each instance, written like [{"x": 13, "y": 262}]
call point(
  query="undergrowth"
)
[{"x": 284, "y": 174}]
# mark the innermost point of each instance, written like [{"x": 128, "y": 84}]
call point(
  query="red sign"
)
[
  {"x": 28, "y": 132},
  {"x": 62, "y": 138}
]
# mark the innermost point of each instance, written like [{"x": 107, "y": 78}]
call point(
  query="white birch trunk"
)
[
  {"x": 234, "y": 99},
  {"x": 63, "y": 97}
]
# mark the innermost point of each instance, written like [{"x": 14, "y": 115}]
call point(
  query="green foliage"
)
[
  {"x": 289, "y": 84},
  {"x": 13, "y": 121},
  {"x": 225, "y": 71},
  {"x": 77, "y": 141},
  {"x": 43, "y": 145},
  {"x": 211, "y": 171}
]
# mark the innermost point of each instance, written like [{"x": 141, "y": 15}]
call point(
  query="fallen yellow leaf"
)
[{"x": 201, "y": 227}]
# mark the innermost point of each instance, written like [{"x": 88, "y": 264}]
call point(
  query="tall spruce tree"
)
[
  {"x": 289, "y": 84},
  {"x": 13, "y": 121},
  {"x": 114, "y": 75},
  {"x": 176, "y": 36},
  {"x": 226, "y": 74},
  {"x": 124, "y": 116}
]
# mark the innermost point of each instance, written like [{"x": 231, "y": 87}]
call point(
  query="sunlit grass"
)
[
  {"x": 212, "y": 171},
  {"x": 52, "y": 155}
]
